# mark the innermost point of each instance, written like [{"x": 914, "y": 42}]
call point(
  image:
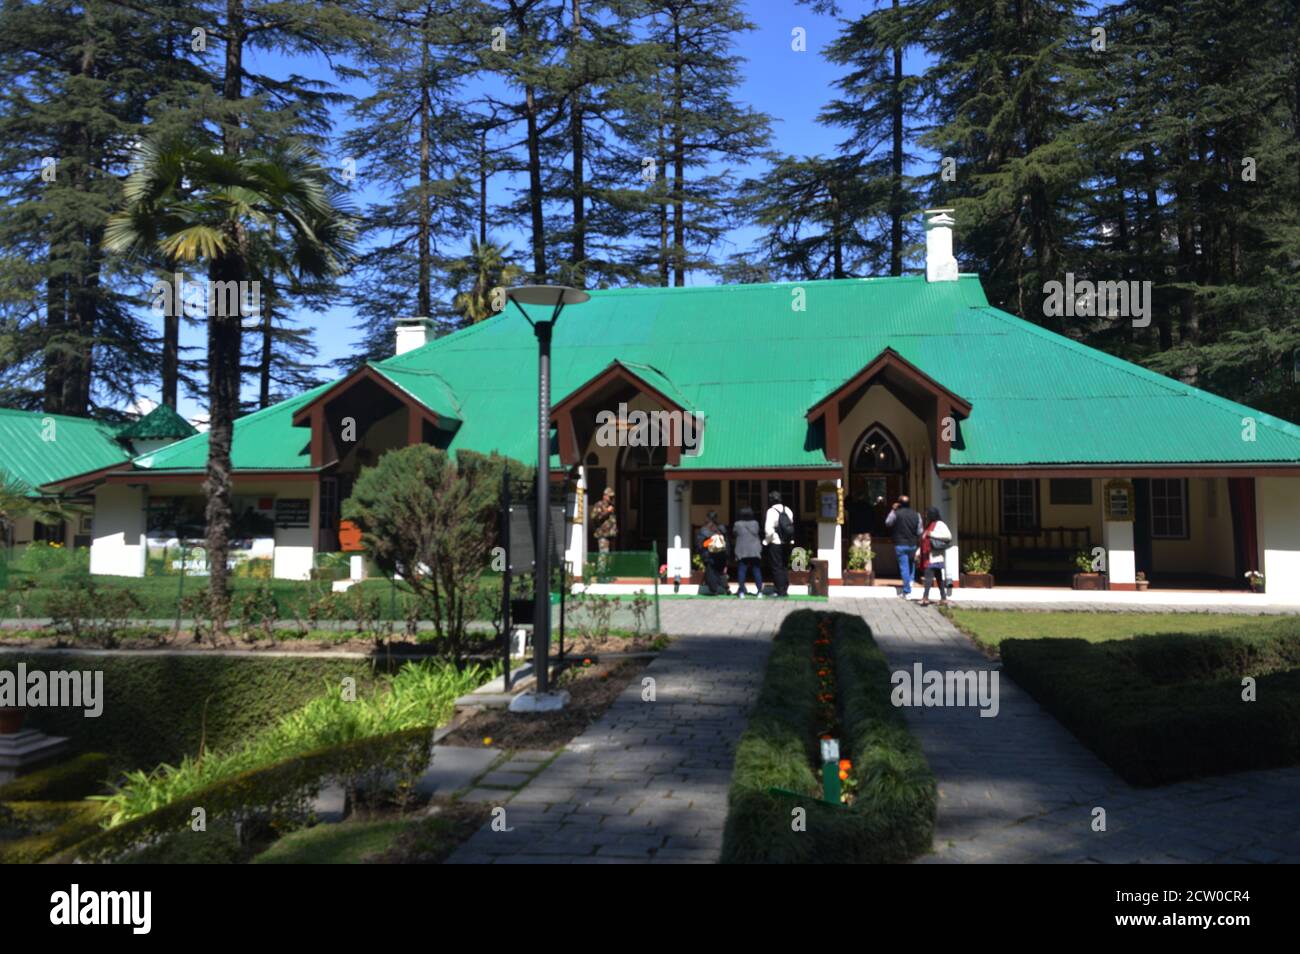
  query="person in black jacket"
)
[
  {"x": 715, "y": 560},
  {"x": 905, "y": 528}
]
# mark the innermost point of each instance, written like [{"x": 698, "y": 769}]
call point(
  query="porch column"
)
[
  {"x": 679, "y": 530},
  {"x": 952, "y": 517},
  {"x": 575, "y": 510},
  {"x": 830, "y": 544},
  {"x": 1121, "y": 564},
  {"x": 1277, "y": 515}
]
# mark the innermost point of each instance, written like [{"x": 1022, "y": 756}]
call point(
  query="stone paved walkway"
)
[
  {"x": 649, "y": 781},
  {"x": 1020, "y": 788}
]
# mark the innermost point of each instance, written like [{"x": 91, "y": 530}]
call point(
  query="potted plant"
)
[
  {"x": 1085, "y": 577},
  {"x": 1142, "y": 582},
  {"x": 977, "y": 570},
  {"x": 1256, "y": 581},
  {"x": 798, "y": 566},
  {"x": 697, "y": 569},
  {"x": 858, "y": 570}
]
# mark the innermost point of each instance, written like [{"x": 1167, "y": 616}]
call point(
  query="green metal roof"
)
[
  {"x": 751, "y": 364},
  {"x": 162, "y": 423},
  {"x": 263, "y": 440},
  {"x": 38, "y": 448}
]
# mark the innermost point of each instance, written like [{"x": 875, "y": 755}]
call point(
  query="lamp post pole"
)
[
  {"x": 554, "y": 297},
  {"x": 542, "y": 576}
]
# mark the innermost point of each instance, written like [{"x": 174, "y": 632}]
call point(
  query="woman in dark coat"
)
[
  {"x": 747, "y": 537},
  {"x": 715, "y": 561}
]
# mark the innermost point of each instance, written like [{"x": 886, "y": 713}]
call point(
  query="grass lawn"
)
[
  {"x": 402, "y": 840},
  {"x": 990, "y": 627}
]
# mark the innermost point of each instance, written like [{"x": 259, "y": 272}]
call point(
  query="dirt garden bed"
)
[{"x": 592, "y": 689}]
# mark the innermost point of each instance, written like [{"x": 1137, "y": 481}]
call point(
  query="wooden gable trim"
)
[{"x": 562, "y": 412}]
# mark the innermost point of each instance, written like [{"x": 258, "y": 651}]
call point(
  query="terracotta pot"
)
[
  {"x": 1089, "y": 581},
  {"x": 1142, "y": 585},
  {"x": 977, "y": 581},
  {"x": 857, "y": 577},
  {"x": 799, "y": 577},
  {"x": 11, "y": 719},
  {"x": 697, "y": 577}
]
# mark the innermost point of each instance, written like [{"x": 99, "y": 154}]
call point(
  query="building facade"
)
[{"x": 839, "y": 394}]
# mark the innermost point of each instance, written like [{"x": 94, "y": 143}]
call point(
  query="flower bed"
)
[{"x": 827, "y": 676}]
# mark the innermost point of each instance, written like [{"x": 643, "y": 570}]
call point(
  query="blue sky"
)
[{"x": 789, "y": 86}]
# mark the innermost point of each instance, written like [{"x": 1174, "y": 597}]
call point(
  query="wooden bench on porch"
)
[{"x": 1053, "y": 545}]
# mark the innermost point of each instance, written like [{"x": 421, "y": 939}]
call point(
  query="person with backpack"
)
[
  {"x": 935, "y": 540},
  {"x": 905, "y": 528},
  {"x": 778, "y": 536},
  {"x": 748, "y": 539},
  {"x": 712, "y": 542}
]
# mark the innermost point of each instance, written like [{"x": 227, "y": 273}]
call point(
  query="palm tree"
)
[
  {"x": 186, "y": 201},
  {"x": 486, "y": 267}
]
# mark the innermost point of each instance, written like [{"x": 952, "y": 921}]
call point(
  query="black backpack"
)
[{"x": 785, "y": 527}]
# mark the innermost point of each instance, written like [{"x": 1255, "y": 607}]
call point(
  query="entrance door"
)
[{"x": 643, "y": 507}]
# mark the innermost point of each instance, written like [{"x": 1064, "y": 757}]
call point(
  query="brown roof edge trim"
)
[{"x": 889, "y": 358}]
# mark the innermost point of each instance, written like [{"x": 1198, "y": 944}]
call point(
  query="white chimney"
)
[
  {"x": 413, "y": 333},
  {"x": 940, "y": 265}
]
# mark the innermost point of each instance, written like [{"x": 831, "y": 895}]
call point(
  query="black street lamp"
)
[{"x": 555, "y": 296}]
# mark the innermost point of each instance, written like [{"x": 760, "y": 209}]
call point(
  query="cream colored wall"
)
[
  {"x": 1277, "y": 511},
  {"x": 385, "y": 434},
  {"x": 877, "y": 404},
  {"x": 1209, "y": 546}
]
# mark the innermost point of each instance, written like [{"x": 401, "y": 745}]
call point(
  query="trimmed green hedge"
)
[
  {"x": 1160, "y": 709},
  {"x": 158, "y": 707},
  {"x": 892, "y": 818},
  {"x": 278, "y": 794},
  {"x": 32, "y": 831},
  {"x": 87, "y": 774}
]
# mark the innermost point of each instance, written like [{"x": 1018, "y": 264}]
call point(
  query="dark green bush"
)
[
  {"x": 892, "y": 818},
  {"x": 159, "y": 707},
  {"x": 33, "y": 831},
  {"x": 1160, "y": 709},
  {"x": 87, "y": 774}
]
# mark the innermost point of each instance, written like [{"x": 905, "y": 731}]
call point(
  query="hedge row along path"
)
[
  {"x": 649, "y": 781},
  {"x": 1020, "y": 788}
]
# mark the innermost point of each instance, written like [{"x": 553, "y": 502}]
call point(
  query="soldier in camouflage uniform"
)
[{"x": 604, "y": 521}]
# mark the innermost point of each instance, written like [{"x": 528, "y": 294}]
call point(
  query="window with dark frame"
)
[
  {"x": 1070, "y": 491},
  {"x": 707, "y": 493},
  {"x": 1019, "y": 506},
  {"x": 1168, "y": 508}
]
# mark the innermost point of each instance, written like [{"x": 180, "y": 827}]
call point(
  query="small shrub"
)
[
  {"x": 87, "y": 774},
  {"x": 83, "y": 610},
  {"x": 258, "y": 614},
  {"x": 981, "y": 561}
]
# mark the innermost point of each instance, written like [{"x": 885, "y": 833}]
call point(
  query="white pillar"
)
[
  {"x": 679, "y": 544},
  {"x": 951, "y": 516},
  {"x": 1121, "y": 564},
  {"x": 118, "y": 546},
  {"x": 1277, "y": 511},
  {"x": 830, "y": 543},
  {"x": 575, "y": 510}
]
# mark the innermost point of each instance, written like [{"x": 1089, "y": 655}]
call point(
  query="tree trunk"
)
[
  {"x": 579, "y": 184},
  {"x": 482, "y": 188},
  {"x": 171, "y": 356},
  {"x": 679, "y": 165},
  {"x": 535, "y": 187},
  {"x": 56, "y": 309},
  {"x": 896, "y": 168},
  {"x": 224, "y": 351},
  {"x": 268, "y": 341},
  {"x": 424, "y": 294}
]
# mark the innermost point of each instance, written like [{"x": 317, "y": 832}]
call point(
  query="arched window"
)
[
  {"x": 877, "y": 450},
  {"x": 645, "y": 458}
]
